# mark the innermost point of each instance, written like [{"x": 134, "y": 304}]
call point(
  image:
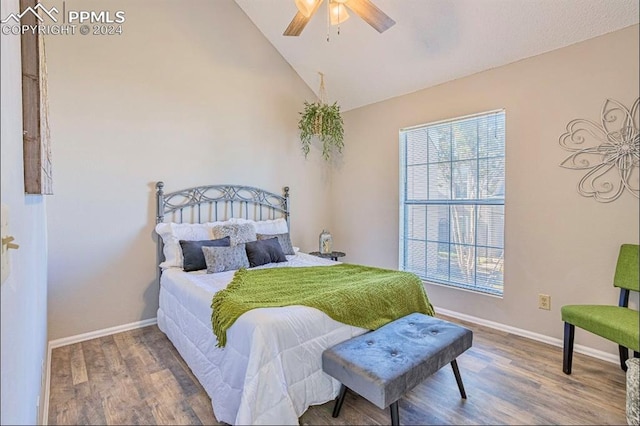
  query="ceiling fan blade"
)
[
  {"x": 370, "y": 13},
  {"x": 300, "y": 21},
  {"x": 297, "y": 25}
]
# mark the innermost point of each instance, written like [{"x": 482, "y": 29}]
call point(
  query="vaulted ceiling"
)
[{"x": 433, "y": 41}]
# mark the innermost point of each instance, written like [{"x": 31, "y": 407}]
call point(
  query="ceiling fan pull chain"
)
[
  {"x": 328, "y": 19},
  {"x": 339, "y": 17}
]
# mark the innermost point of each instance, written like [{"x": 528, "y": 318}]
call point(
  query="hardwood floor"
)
[{"x": 137, "y": 377}]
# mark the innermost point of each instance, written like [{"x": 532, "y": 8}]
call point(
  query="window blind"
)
[{"x": 452, "y": 202}]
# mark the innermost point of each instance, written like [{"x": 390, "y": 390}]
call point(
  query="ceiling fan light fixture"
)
[
  {"x": 339, "y": 13},
  {"x": 365, "y": 9},
  {"x": 306, "y": 6}
]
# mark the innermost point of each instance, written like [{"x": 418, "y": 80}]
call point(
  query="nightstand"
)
[{"x": 334, "y": 255}]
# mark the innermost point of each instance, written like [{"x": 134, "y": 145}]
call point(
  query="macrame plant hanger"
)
[
  {"x": 322, "y": 99},
  {"x": 322, "y": 93}
]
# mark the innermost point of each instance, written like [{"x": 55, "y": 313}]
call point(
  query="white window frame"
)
[{"x": 489, "y": 201}]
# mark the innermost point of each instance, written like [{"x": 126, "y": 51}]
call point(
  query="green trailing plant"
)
[{"x": 323, "y": 121}]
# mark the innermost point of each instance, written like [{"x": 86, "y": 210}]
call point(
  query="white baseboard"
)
[
  {"x": 81, "y": 338},
  {"x": 100, "y": 333},
  {"x": 595, "y": 353}
]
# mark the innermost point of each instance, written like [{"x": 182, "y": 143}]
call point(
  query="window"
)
[{"x": 452, "y": 202}]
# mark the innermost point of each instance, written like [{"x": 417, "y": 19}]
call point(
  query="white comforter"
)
[{"x": 270, "y": 371}]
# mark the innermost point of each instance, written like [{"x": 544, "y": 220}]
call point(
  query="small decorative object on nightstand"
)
[
  {"x": 326, "y": 242},
  {"x": 333, "y": 255}
]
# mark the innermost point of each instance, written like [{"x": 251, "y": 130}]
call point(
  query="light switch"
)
[{"x": 4, "y": 233}]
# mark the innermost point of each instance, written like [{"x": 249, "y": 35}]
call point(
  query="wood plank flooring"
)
[{"x": 137, "y": 377}]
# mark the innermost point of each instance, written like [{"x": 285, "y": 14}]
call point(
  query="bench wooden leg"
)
[
  {"x": 567, "y": 352},
  {"x": 339, "y": 401},
  {"x": 395, "y": 417},
  {"x": 456, "y": 372}
]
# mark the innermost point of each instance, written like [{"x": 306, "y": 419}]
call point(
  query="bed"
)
[{"x": 270, "y": 370}]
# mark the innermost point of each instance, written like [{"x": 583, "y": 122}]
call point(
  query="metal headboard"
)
[
  {"x": 220, "y": 202},
  {"x": 212, "y": 203}
]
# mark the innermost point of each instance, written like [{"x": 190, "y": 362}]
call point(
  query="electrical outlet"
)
[{"x": 544, "y": 301}]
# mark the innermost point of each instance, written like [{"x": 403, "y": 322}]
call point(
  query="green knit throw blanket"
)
[{"x": 360, "y": 296}]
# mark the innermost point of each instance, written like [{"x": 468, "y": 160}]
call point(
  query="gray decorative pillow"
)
[
  {"x": 192, "y": 252},
  {"x": 283, "y": 239},
  {"x": 240, "y": 233},
  {"x": 220, "y": 259},
  {"x": 264, "y": 251}
]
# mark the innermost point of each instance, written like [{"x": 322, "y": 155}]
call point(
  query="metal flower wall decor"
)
[{"x": 608, "y": 151}]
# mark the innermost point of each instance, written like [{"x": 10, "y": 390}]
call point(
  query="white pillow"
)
[
  {"x": 172, "y": 233},
  {"x": 272, "y": 227},
  {"x": 267, "y": 227}
]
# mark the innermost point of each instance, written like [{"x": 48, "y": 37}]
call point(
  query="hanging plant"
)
[{"x": 322, "y": 121}]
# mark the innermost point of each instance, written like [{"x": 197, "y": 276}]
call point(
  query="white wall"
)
[
  {"x": 194, "y": 95},
  {"x": 24, "y": 294},
  {"x": 190, "y": 94},
  {"x": 557, "y": 242}
]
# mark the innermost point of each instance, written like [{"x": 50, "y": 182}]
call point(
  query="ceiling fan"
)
[{"x": 366, "y": 10}]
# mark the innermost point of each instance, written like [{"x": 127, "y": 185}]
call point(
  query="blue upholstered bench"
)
[{"x": 386, "y": 363}]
